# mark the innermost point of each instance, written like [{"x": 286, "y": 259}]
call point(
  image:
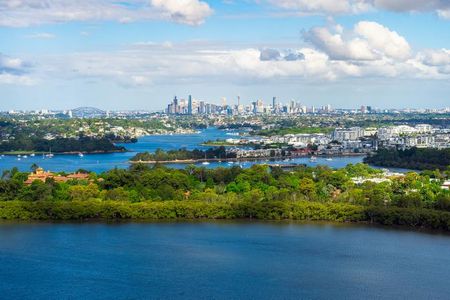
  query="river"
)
[
  {"x": 220, "y": 260},
  {"x": 104, "y": 162}
]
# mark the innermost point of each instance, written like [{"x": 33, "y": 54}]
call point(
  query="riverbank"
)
[
  {"x": 241, "y": 159},
  {"x": 276, "y": 210}
]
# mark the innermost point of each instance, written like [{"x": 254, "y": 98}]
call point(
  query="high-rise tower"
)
[{"x": 190, "y": 105}]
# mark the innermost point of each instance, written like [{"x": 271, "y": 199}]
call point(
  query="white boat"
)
[
  {"x": 25, "y": 156},
  {"x": 329, "y": 159},
  {"x": 50, "y": 155},
  {"x": 32, "y": 155},
  {"x": 80, "y": 154},
  {"x": 205, "y": 163},
  {"x": 230, "y": 162},
  {"x": 19, "y": 155},
  {"x": 313, "y": 159}
]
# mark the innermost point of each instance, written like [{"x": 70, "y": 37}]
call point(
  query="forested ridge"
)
[
  {"x": 306, "y": 193},
  {"x": 60, "y": 145}
]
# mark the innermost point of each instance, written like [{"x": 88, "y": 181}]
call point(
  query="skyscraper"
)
[
  {"x": 202, "y": 109},
  {"x": 175, "y": 105},
  {"x": 190, "y": 105}
]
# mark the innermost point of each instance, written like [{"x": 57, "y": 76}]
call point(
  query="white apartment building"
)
[{"x": 348, "y": 134}]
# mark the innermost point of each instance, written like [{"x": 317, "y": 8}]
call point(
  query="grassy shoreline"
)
[{"x": 94, "y": 209}]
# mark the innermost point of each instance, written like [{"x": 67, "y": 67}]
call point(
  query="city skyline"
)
[
  {"x": 190, "y": 105},
  {"x": 135, "y": 54}
]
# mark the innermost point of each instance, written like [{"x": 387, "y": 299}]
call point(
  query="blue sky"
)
[{"x": 138, "y": 54}]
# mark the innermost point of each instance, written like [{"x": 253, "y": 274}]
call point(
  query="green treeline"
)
[
  {"x": 97, "y": 209},
  {"x": 278, "y": 210},
  {"x": 183, "y": 154},
  {"x": 305, "y": 193},
  {"x": 59, "y": 145},
  {"x": 414, "y": 158}
]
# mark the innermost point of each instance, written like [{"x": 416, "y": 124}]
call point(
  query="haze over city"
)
[{"x": 139, "y": 54}]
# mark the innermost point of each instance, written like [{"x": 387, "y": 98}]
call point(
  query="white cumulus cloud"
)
[
  {"x": 191, "y": 12},
  {"x": 14, "y": 70},
  {"x": 22, "y": 13},
  {"x": 323, "y": 6},
  {"x": 441, "y": 7},
  {"x": 367, "y": 41},
  {"x": 383, "y": 40}
]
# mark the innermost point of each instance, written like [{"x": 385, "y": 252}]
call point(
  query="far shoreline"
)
[
  {"x": 243, "y": 159},
  {"x": 15, "y": 153}
]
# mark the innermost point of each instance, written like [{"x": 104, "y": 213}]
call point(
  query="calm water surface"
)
[
  {"x": 220, "y": 260},
  {"x": 104, "y": 162}
]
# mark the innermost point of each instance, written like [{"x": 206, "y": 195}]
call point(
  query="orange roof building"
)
[{"x": 42, "y": 175}]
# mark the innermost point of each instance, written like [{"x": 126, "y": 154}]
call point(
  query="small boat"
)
[
  {"x": 19, "y": 155},
  {"x": 25, "y": 156},
  {"x": 18, "y": 158},
  {"x": 329, "y": 159},
  {"x": 230, "y": 162},
  {"x": 50, "y": 155},
  {"x": 205, "y": 163},
  {"x": 32, "y": 155},
  {"x": 313, "y": 159},
  {"x": 80, "y": 154}
]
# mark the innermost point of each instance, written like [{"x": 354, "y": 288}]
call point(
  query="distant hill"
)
[{"x": 88, "y": 112}]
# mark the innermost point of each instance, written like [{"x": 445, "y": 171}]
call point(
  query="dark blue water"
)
[
  {"x": 104, "y": 162},
  {"x": 220, "y": 260},
  {"x": 174, "y": 142}
]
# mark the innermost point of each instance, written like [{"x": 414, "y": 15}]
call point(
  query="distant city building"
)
[
  {"x": 348, "y": 134},
  {"x": 190, "y": 105}
]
